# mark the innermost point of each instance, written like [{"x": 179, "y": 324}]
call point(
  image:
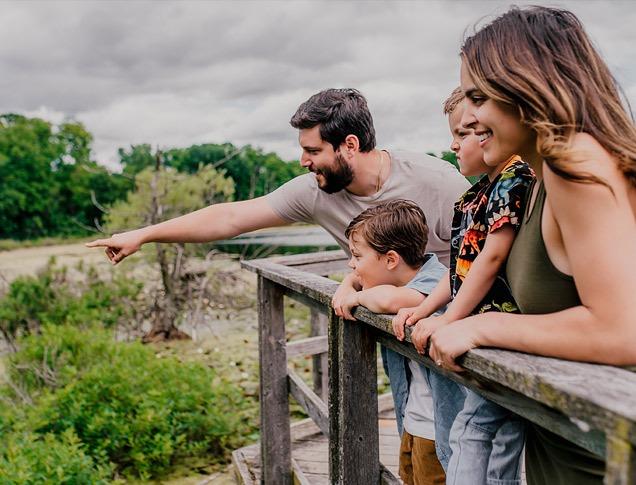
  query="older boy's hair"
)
[
  {"x": 398, "y": 225},
  {"x": 451, "y": 103}
]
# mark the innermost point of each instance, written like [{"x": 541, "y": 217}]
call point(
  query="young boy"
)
[
  {"x": 485, "y": 222},
  {"x": 389, "y": 260}
]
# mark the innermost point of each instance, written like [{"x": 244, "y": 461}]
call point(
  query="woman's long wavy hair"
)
[{"x": 541, "y": 60}]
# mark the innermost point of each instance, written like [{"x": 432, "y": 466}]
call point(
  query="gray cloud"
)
[{"x": 176, "y": 73}]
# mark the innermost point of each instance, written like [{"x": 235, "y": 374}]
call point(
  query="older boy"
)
[
  {"x": 485, "y": 223},
  {"x": 391, "y": 266}
]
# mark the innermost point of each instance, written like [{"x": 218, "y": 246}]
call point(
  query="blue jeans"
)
[
  {"x": 448, "y": 399},
  {"x": 397, "y": 369},
  {"x": 486, "y": 443}
]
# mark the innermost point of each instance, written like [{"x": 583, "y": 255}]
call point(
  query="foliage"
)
[
  {"x": 29, "y": 459},
  {"x": 254, "y": 172},
  {"x": 128, "y": 409},
  {"x": 54, "y": 298},
  {"x": 46, "y": 179},
  {"x": 178, "y": 192}
]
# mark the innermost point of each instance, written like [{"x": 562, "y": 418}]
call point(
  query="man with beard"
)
[{"x": 348, "y": 174}]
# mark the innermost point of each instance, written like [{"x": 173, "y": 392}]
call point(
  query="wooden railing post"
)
[
  {"x": 274, "y": 399},
  {"x": 354, "y": 457},
  {"x": 320, "y": 368},
  {"x": 620, "y": 462}
]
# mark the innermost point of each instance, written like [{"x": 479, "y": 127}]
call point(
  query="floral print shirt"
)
[{"x": 484, "y": 208}]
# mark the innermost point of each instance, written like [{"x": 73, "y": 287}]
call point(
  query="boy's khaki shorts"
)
[{"x": 418, "y": 462}]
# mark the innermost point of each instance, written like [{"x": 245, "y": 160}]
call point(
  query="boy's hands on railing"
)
[
  {"x": 408, "y": 317},
  {"x": 424, "y": 329},
  {"x": 349, "y": 302},
  {"x": 345, "y": 293}
]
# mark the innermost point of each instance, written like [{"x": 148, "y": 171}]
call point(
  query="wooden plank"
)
[
  {"x": 387, "y": 476},
  {"x": 307, "y": 346},
  {"x": 320, "y": 363},
  {"x": 299, "y": 476},
  {"x": 309, "y": 401},
  {"x": 274, "y": 400},
  {"x": 353, "y": 444},
  {"x": 327, "y": 268},
  {"x": 307, "y": 258},
  {"x": 620, "y": 462},
  {"x": 241, "y": 472},
  {"x": 333, "y": 336}
]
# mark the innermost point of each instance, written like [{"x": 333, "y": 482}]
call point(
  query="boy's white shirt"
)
[{"x": 419, "y": 414}]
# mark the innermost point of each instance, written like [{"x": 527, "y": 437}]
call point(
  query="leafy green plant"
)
[
  {"x": 127, "y": 407},
  {"x": 29, "y": 459},
  {"x": 53, "y": 298}
]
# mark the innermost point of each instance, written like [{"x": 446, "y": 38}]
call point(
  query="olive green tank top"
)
[{"x": 537, "y": 286}]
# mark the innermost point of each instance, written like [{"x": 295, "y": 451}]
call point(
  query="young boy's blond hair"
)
[{"x": 455, "y": 98}]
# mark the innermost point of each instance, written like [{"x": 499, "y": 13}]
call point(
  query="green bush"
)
[
  {"x": 53, "y": 298},
  {"x": 26, "y": 459},
  {"x": 129, "y": 408},
  {"x": 58, "y": 356}
]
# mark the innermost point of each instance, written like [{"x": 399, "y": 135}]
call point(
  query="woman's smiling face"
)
[{"x": 498, "y": 125}]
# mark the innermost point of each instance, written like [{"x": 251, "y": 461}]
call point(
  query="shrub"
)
[
  {"x": 141, "y": 413},
  {"x": 54, "y": 298},
  {"x": 26, "y": 459}
]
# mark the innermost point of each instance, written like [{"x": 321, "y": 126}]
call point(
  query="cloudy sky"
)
[{"x": 178, "y": 73}]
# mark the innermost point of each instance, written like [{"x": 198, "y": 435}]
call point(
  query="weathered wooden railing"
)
[{"x": 593, "y": 406}]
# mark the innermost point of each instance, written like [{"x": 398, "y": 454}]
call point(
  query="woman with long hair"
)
[{"x": 537, "y": 87}]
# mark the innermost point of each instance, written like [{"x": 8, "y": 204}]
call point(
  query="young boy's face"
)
[
  {"x": 367, "y": 264},
  {"x": 465, "y": 144}
]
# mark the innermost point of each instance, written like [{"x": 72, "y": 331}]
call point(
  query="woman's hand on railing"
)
[
  {"x": 451, "y": 341},
  {"x": 424, "y": 329}
]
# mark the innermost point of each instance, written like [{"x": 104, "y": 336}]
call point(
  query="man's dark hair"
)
[
  {"x": 398, "y": 225},
  {"x": 340, "y": 113}
]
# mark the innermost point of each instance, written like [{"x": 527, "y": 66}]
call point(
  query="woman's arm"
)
[{"x": 597, "y": 229}]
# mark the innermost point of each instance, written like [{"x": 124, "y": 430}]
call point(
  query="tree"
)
[
  {"x": 254, "y": 172},
  {"x": 48, "y": 184},
  {"x": 164, "y": 193}
]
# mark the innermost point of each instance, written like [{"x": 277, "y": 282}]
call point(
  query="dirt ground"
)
[{"x": 28, "y": 261}]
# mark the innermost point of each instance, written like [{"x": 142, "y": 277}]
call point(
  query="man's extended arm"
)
[{"x": 212, "y": 223}]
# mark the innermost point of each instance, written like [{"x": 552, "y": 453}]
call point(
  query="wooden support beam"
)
[
  {"x": 620, "y": 468},
  {"x": 307, "y": 346},
  {"x": 354, "y": 457},
  {"x": 274, "y": 400},
  {"x": 315, "y": 408},
  {"x": 320, "y": 368}
]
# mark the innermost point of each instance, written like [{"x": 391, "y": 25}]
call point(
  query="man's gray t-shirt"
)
[{"x": 431, "y": 183}]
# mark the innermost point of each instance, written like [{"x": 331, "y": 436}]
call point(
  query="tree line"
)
[{"x": 51, "y": 186}]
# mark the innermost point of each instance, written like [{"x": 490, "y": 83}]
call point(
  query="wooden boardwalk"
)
[{"x": 310, "y": 455}]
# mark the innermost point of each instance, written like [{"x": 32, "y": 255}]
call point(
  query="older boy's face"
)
[
  {"x": 367, "y": 264},
  {"x": 465, "y": 144}
]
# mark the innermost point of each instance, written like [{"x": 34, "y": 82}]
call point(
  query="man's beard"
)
[{"x": 337, "y": 177}]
